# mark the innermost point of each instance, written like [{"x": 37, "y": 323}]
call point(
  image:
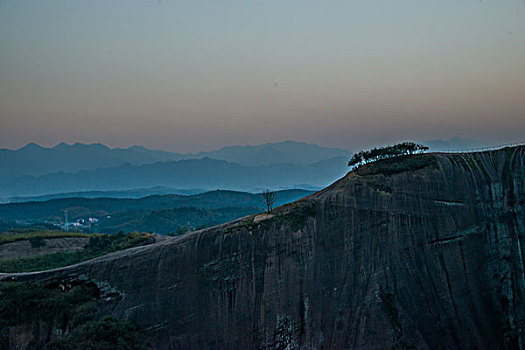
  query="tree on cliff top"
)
[
  {"x": 400, "y": 149},
  {"x": 269, "y": 200}
]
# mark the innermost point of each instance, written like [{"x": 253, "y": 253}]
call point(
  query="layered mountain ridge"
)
[
  {"x": 35, "y": 160},
  {"x": 206, "y": 174},
  {"x": 420, "y": 252},
  {"x": 37, "y": 171}
]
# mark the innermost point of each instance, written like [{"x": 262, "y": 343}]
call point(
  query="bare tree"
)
[{"x": 269, "y": 199}]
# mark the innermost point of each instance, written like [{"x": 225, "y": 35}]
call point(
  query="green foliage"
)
[
  {"x": 8, "y": 224},
  {"x": 172, "y": 220},
  {"x": 109, "y": 333},
  {"x": 37, "y": 242},
  {"x": 97, "y": 245},
  {"x": 67, "y": 306},
  {"x": 43, "y": 261},
  {"x": 297, "y": 218},
  {"x": 182, "y": 230},
  {"x": 104, "y": 244},
  {"x": 53, "y": 210},
  {"x": 400, "y": 149},
  {"x": 396, "y": 165},
  {"x": 20, "y": 302},
  {"x": 248, "y": 224},
  {"x": 357, "y": 159}
]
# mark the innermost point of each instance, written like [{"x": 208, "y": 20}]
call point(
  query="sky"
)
[{"x": 196, "y": 75}]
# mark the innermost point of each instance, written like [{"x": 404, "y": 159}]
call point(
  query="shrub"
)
[
  {"x": 67, "y": 307},
  {"x": 37, "y": 242},
  {"x": 97, "y": 245},
  {"x": 400, "y": 149},
  {"x": 395, "y": 166},
  {"x": 109, "y": 333}
]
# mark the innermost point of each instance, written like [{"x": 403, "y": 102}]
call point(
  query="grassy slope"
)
[{"x": 97, "y": 245}]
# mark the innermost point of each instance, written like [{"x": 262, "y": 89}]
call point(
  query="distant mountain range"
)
[
  {"x": 38, "y": 171},
  {"x": 55, "y": 172},
  {"x": 206, "y": 174},
  {"x": 288, "y": 152},
  {"x": 34, "y": 160},
  {"x": 454, "y": 144},
  {"x": 134, "y": 193}
]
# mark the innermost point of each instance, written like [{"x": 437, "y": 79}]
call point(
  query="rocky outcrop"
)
[{"x": 423, "y": 252}]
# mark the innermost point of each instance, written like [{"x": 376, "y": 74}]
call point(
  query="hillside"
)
[
  {"x": 170, "y": 221},
  {"x": 34, "y": 170},
  {"x": 35, "y": 160},
  {"x": 133, "y": 193},
  {"x": 35, "y": 250},
  {"x": 96, "y": 207},
  {"x": 207, "y": 174},
  {"x": 287, "y": 152},
  {"x": 167, "y": 214},
  {"x": 423, "y": 252}
]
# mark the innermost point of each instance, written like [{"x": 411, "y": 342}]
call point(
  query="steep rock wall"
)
[{"x": 426, "y": 252}]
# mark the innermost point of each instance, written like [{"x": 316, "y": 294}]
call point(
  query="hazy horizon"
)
[
  {"x": 50, "y": 146},
  {"x": 469, "y": 144},
  {"x": 197, "y": 76}
]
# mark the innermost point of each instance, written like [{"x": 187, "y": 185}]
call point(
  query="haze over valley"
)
[{"x": 34, "y": 171}]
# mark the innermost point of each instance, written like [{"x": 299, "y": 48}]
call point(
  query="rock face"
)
[{"x": 423, "y": 252}]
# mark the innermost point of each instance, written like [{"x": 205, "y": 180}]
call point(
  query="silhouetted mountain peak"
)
[
  {"x": 61, "y": 145},
  {"x": 31, "y": 147},
  {"x": 291, "y": 152}
]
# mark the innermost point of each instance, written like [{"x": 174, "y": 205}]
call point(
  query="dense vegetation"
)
[
  {"x": 97, "y": 245},
  {"x": 109, "y": 333},
  {"x": 6, "y": 225},
  {"x": 171, "y": 221},
  {"x": 392, "y": 166},
  {"x": 53, "y": 210},
  {"x": 400, "y": 149},
  {"x": 70, "y": 309}
]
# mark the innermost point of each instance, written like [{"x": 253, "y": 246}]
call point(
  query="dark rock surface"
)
[{"x": 425, "y": 252}]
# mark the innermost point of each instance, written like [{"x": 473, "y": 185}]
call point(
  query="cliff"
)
[{"x": 423, "y": 252}]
